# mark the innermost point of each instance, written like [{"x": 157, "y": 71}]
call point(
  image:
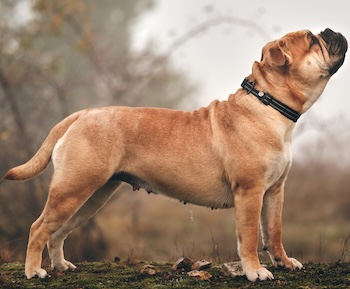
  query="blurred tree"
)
[{"x": 64, "y": 56}]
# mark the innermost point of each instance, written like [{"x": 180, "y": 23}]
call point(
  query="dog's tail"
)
[{"x": 42, "y": 158}]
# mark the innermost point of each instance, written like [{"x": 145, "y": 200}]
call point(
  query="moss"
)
[{"x": 125, "y": 275}]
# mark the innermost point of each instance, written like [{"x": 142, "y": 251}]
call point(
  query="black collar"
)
[{"x": 267, "y": 99}]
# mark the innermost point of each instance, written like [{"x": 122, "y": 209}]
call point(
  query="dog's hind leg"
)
[
  {"x": 91, "y": 206},
  {"x": 65, "y": 198}
]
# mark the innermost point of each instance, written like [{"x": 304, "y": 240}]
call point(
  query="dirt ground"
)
[{"x": 130, "y": 275}]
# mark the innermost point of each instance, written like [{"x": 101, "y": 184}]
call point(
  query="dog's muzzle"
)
[{"x": 336, "y": 46}]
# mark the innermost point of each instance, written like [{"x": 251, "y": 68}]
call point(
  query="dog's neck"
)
[
  {"x": 277, "y": 85},
  {"x": 268, "y": 99}
]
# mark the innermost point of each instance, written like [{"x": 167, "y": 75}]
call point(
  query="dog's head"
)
[{"x": 304, "y": 61}]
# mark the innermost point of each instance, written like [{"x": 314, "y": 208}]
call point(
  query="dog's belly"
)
[{"x": 214, "y": 194}]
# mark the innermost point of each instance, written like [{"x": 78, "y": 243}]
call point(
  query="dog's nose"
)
[{"x": 328, "y": 32}]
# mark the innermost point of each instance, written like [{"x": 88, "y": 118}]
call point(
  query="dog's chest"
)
[{"x": 278, "y": 165}]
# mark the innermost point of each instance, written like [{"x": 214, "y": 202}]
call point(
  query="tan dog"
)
[{"x": 231, "y": 153}]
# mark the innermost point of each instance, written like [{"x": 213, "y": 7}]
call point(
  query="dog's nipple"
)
[{"x": 136, "y": 187}]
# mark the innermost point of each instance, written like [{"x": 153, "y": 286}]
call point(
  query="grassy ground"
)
[{"x": 91, "y": 275}]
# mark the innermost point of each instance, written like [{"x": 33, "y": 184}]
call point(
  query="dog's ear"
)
[{"x": 275, "y": 54}]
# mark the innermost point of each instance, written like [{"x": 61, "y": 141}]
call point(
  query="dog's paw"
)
[
  {"x": 39, "y": 272},
  {"x": 290, "y": 263},
  {"x": 294, "y": 264},
  {"x": 64, "y": 265},
  {"x": 260, "y": 273}
]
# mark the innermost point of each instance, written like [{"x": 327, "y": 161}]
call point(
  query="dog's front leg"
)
[
  {"x": 248, "y": 204},
  {"x": 271, "y": 227}
]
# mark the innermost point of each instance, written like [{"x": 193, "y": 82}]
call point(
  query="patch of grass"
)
[{"x": 126, "y": 275}]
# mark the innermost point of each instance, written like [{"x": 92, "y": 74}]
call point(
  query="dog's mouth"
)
[{"x": 337, "y": 46}]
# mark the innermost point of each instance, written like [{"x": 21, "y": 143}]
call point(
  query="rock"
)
[
  {"x": 201, "y": 265},
  {"x": 149, "y": 270},
  {"x": 199, "y": 275},
  {"x": 233, "y": 269},
  {"x": 183, "y": 264}
]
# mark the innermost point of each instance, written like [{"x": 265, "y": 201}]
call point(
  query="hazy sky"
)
[{"x": 220, "y": 57}]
